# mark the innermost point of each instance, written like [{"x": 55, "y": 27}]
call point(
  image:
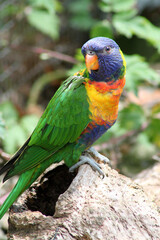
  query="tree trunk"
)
[{"x": 62, "y": 206}]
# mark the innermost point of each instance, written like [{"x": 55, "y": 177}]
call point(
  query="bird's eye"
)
[
  {"x": 108, "y": 49},
  {"x": 90, "y": 52}
]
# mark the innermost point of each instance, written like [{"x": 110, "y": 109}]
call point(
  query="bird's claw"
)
[
  {"x": 92, "y": 153},
  {"x": 97, "y": 155},
  {"x": 90, "y": 161}
]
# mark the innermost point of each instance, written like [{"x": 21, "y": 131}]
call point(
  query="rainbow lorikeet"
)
[{"x": 83, "y": 108}]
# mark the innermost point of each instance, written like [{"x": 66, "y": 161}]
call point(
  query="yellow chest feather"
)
[{"x": 103, "y": 105}]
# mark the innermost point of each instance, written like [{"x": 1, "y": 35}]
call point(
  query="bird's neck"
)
[{"x": 107, "y": 75}]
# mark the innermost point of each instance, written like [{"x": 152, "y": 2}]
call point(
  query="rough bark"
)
[
  {"x": 149, "y": 179},
  {"x": 86, "y": 207}
]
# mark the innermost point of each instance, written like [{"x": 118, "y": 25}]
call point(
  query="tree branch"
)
[{"x": 87, "y": 207}]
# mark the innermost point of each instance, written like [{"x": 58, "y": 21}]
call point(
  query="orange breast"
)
[{"x": 103, "y": 100}]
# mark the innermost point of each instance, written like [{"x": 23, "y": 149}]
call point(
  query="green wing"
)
[{"x": 64, "y": 119}]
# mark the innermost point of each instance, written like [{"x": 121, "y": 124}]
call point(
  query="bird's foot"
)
[
  {"x": 88, "y": 158},
  {"x": 84, "y": 159},
  {"x": 99, "y": 157}
]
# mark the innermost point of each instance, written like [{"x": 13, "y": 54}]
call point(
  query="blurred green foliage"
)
[
  {"x": 43, "y": 16},
  {"x": 81, "y": 16},
  {"x": 14, "y": 130},
  {"x": 139, "y": 72},
  {"x": 131, "y": 117},
  {"x": 2, "y": 127},
  {"x": 118, "y": 19}
]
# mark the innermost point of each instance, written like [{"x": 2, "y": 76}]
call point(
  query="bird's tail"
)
[
  {"x": 24, "y": 181},
  {"x": 27, "y": 178}
]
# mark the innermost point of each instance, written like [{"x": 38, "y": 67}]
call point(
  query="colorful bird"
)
[{"x": 83, "y": 108}]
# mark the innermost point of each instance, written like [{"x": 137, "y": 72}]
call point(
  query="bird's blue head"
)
[{"x": 104, "y": 59}]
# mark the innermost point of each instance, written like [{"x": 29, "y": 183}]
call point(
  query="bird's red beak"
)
[{"x": 91, "y": 62}]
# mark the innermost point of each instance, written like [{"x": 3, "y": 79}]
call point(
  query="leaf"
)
[
  {"x": 139, "y": 152},
  {"x": 117, "y": 5},
  {"x": 47, "y": 4},
  {"x": 103, "y": 29},
  {"x": 44, "y": 21},
  {"x": 153, "y": 131},
  {"x": 2, "y": 127},
  {"x": 14, "y": 138},
  {"x": 131, "y": 117},
  {"x": 79, "y": 6},
  {"x": 9, "y": 113},
  {"x": 156, "y": 107},
  {"x": 82, "y": 21},
  {"x": 138, "y": 70},
  {"x": 28, "y": 123},
  {"x": 139, "y": 26},
  {"x": 142, "y": 151},
  {"x": 13, "y": 130},
  {"x": 81, "y": 15}
]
